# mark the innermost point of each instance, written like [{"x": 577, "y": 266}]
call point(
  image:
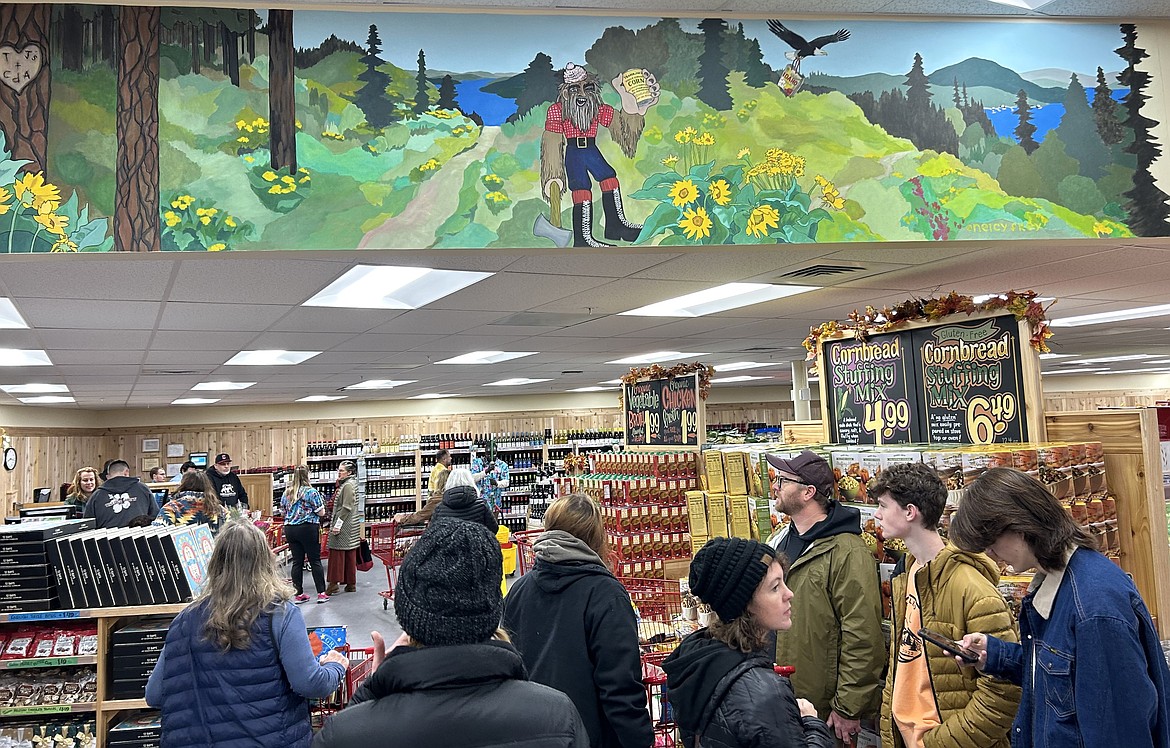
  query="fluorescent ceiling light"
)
[
  {"x": 392, "y": 287},
  {"x": 655, "y": 358},
  {"x": 195, "y": 401},
  {"x": 320, "y": 398},
  {"x": 431, "y": 396},
  {"x": 487, "y": 357},
  {"x": 719, "y": 299},
  {"x": 612, "y": 381},
  {"x": 515, "y": 382},
  {"x": 19, "y": 357},
  {"x": 595, "y": 388},
  {"x": 1045, "y": 356},
  {"x": 1160, "y": 370},
  {"x": 380, "y": 384},
  {"x": 741, "y": 365},
  {"x": 1111, "y": 359},
  {"x": 219, "y": 386},
  {"x": 10, "y": 319},
  {"x": 32, "y": 389},
  {"x": 1081, "y": 370},
  {"x": 985, "y": 297},
  {"x": 47, "y": 399},
  {"x": 1025, "y": 4},
  {"x": 744, "y": 378},
  {"x": 1142, "y": 312},
  {"x": 270, "y": 358}
]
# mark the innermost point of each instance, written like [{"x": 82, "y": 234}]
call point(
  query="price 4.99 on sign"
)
[{"x": 884, "y": 418}]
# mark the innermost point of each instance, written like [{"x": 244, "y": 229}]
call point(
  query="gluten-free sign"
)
[{"x": 663, "y": 412}]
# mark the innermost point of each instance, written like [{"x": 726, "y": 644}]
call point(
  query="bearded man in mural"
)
[{"x": 569, "y": 153}]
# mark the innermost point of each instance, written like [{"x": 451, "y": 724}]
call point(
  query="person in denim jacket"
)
[{"x": 1090, "y": 663}]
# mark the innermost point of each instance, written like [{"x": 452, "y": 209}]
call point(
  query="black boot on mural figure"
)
[
  {"x": 583, "y": 226},
  {"x": 617, "y": 227}
]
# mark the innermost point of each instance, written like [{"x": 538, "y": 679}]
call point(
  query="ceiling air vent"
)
[
  {"x": 170, "y": 372},
  {"x": 824, "y": 271}
]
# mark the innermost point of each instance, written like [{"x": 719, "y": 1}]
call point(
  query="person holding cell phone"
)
[
  {"x": 928, "y": 700},
  {"x": 1090, "y": 663}
]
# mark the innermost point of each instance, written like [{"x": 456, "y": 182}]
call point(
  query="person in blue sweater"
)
[
  {"x": 1090, "y": 663},
  {"x": 237, "y": 666}
]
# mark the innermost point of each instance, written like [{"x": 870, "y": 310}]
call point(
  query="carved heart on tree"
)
[{"x": 19, "y": 67}]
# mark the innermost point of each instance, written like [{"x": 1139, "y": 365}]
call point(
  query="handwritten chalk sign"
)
[{"x": 663, "y": 412}]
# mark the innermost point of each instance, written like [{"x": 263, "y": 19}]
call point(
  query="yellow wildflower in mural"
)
[
  {"x": 217, "y": 247},
  {"x": 765, "y": 216},
  {"x": 497, "y": 197},
  {"x": 1102, "y": 229},
  {"x": 269, "y": 176},
  {"x": 5, "y": 196},
  {"x": 821, "y": 181},
  {"x": 52, "y": 222},
  {"x": 695, "y": 223},
  {"x": 832, "y": 196},
  {"x": 172, "y": 218},
  {"x": 287, "y": 179},
  {"x": 493, "y": 178},
  {"x": 229, "y": 222},
  {"x": 682, "y": 137},
  {"x": 684, "y": 192},
  {"x": 744, "y": 153},
  {"x": 705, "y": 139},
  {"x": 31, "y": 189},
  {"x": 720, "y": 192},
  {"x": 670, "y": 161},
  {"x": 241, "y": 124},
  {"x": 756, "y": 229},
  {"x": 275, "y": 189},
  {"x": 64, "y": 245},
  {"x": 249, "y": 160}
]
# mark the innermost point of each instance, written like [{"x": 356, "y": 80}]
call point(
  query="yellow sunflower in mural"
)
[
  {"x": 31, "y": 189},
  {"x": 720, "y": 192},
  {"x": 695, "y": 223},
  {"x": 684, "y": 192}
]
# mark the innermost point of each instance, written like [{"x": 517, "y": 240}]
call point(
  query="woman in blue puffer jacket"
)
[{"x": 237, "y": 665}]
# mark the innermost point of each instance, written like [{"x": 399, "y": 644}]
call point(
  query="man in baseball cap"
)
[
  {"x": 836, "y": 641},
  {"x": 227, "y": 484}
]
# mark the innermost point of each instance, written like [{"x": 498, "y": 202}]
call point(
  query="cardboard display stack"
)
[
  {"x": 725, "y": 507},
  {"x": 27, "y": 567}
]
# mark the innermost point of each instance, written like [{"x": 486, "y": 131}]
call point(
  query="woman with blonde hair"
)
[
  {"x": 302, "y": 507},
  {"x": 194, "y": 503},
  {"x": 237, "y": 666},
  {"x": 85, "y": 482},
  {"x": 346, "y": 534},
  {"x": 575, "y": 627}
]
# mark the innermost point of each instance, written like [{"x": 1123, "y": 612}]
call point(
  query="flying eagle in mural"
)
[{"x": 802, "y": 47}]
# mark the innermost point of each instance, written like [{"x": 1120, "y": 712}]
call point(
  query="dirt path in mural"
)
[{"x": 436, "y": 200}]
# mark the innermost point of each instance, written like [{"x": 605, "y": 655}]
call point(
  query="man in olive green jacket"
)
[
  {"x": 836, "y": 642},
  {"x": 929, "y": 701}
]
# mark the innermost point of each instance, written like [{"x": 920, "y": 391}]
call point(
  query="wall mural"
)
[{"x": 196, "y": 129}]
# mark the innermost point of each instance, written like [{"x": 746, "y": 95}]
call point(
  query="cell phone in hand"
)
[{"x": 950, "y": 646}]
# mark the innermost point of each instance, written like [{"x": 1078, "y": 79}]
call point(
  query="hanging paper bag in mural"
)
[{"x": 790, "y": 80}]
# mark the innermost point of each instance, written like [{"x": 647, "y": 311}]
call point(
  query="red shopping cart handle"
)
[{"x": 785, "y": 670}]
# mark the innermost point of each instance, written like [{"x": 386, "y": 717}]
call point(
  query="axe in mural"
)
[{"x": 569, "y": 153}]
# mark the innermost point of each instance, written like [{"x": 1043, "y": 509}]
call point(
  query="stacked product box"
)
[
  {"x": 143, "y": 730},
  {"x": 57, "y": 731},
  {"x": 28, "y": 573},
  {"x": 134, "y": 650}
]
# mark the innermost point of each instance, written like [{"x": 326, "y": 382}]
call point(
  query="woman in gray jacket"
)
[{"x": 345, "y": 535}]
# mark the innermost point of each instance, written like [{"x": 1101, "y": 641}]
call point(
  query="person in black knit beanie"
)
[
  {"x": 452, "y": 679},
  {"x": 723, "y": 690}
]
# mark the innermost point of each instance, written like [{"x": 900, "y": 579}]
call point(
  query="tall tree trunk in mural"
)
[
  {"x": 194, "y": 35},
  {"x": 282, "y": 110},
  {"x": 253, "y": 20},
  {"x": 136, "y": 201},
  {"x": 208, "y": 43},
  {"x": 231, "y": 54},
  {"x": 109, "y": 36},
  {"x": 71, "y": 38},
  {"x": 24, "y": 103}
]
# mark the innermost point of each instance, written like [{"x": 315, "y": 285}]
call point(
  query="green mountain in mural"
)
[{"x": 985, "y": 80}]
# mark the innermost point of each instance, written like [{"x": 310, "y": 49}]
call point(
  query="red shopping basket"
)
[
  {"x": 361, "y": 665},
  {"x": 525, "y": 554},
  {"x": 666, "y": 734},
  {"x": 389, "y": 543}
]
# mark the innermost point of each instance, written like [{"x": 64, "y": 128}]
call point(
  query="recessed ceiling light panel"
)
[
  {"x": 516, "y": 382},
  {"x": 222, "y": 386},
  {"x": 486, "y": 357},
  {"x": 431, "y": 396},
  {"x": 728, "y": 380},
  {"x": 32, "y": 389},
  {"x": 10, "y": 319},
  {"x": 657, "y": 357},
  {"x": 320, "y": 398},
  {"x": 742, "y": 365},
  {"x": 270, "y": 358},
  {"x": 1142, "y": 312},
  {"x": 45, "y": 399},
  {"x": 21, "y": 357},
  {"x": 719, "y": 299},
  {"x": 380, "y": 384},
  {"x": 595, "y": 388},
  {"x": 392, "y": 287},
  {"x": 195, "y": 401}
]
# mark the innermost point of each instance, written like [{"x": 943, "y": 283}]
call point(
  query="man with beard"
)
[
  {"x": 569, "y": 153},
  {"x": 835, "y": 642}
]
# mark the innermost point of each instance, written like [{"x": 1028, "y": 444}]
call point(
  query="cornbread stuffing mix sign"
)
[
  {"x": 872, "y": 386},
  {"x": 663, "y": 412},
  {"x": 970, "y": 385}
]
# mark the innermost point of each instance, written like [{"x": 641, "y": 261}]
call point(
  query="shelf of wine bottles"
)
[
  {"x": 385, "y": 511},
  {"x": 389, "y": 466},
  {"x": 379, "y": 489}
]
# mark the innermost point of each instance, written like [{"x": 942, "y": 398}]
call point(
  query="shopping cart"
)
[
  {"x": 389, "y": 543},
  {"x": 361, "y": 664},
  {"x": 274, "y": 533},
  {"x": 525, "y": 554},
  {"x": 658, "y": 603}
]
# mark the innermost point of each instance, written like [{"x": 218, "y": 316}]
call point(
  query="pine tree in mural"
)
[
  {"x": 373, "y": 98},
  {"x": 422, "y": 101},
  {"x": 1078, "y": 132},
  {"x": 1025, "y": 129},
  {"x": 540, "y": 85},
  {"x": 1109, "y": 127},
  {"x": 712, "y": 69},
  {"x": 1148, "y": 212},
  {"x": 24, "y": 113},
  {"x": 136, "y": 198},
  {"x": 917, "y": 87},
  {"x": 756, "y": 72},
  {"x": 966, "y": 101},
  {"x": 282, "y": 108},
  {"x": 447, "y": 96},
  {"x": 956, "y": 98},
  {"x": 735, "y": 45}
]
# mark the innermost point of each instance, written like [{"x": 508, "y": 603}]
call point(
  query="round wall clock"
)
[{"x": 10, "y": 459}]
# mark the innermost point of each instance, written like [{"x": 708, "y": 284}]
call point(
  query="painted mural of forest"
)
[{"x": 246, "y": 129}]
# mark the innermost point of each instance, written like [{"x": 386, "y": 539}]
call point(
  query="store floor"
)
[{"x": 360, "y": 612}]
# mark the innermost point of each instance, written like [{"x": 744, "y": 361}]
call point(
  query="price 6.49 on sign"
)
[
  {"x": 990, "y": 416},
  {"x": 884, "y": 418}
]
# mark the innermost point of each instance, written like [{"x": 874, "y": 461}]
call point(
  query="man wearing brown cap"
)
[
  {"x": 226, "y": 483},
  {"x": 835, "y": 642}
]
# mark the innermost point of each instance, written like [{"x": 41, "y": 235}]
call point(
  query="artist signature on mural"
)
[{"x": 1000, "y": 227}]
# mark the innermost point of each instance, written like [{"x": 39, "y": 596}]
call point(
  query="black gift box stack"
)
[
  {"x": 27, "y": 576},
  {"x": 140, "y": 731},
  {"x": 134, "y": 650}
]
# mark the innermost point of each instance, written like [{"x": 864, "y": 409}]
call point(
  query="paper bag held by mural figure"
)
[
  {"x": 791, "y": 78},
  {"x": 569, "y": 153}
]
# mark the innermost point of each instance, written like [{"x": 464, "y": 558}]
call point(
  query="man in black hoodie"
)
[
  {"x": 121, "y": 499},
  {"x": 835, "y": 642},
  {"x": 226, "y": 483}
]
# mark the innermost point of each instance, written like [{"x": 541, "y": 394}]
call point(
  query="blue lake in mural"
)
[
  {"x": 1044, "y": 116},
  {"x": 494, "y": 109}
]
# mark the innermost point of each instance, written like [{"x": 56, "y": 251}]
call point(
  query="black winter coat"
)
[
  {"x": 733, "y": 700},
  {"x": 575, "y": 628},
  {"x": 462, "y": 502},
  {"x": 450, "y": 697}
]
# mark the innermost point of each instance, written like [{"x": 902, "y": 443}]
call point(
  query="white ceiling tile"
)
[
  {"x": 88, "y": 314},
  {"x": 516, "y": 292},
  {"x": 437, "y": 322},
  {"x": 616, "y": 264},
  {"x": 136, "y": 276},
  {"x": 339, "y": 321},
  {"x": 209, "y": 315},
  {"x": 118, "y": 339}
]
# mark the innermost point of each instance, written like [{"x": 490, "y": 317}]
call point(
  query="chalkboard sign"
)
[
  {"x": 663, "y": 412},
  {"x": 871, "y": 390},
  {"x": 971, "y": 389}
]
